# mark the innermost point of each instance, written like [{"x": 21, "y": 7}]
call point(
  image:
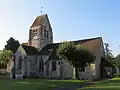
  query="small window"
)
[
  {"x": 20, "y": 63},
  {"x": 41, "y": 66},
  {"x": 47, "y": 34},
  {"x": 33, "y": 30},
  {"x": 53, "y": 65},
  {"x": 44, "y": 33},
  {"x": 59, "y": 63}
]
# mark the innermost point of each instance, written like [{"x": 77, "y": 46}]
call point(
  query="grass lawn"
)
[
  {"x": 112, "y": 84},
  {"x": 34, "y": 84}
]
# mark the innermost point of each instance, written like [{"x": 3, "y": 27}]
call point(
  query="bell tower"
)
[{"x": 40, "y": 33}]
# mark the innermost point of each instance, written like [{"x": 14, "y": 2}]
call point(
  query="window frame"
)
[
  {"x": 20, "y": 62},
  {"x": 54, "y": 65}
]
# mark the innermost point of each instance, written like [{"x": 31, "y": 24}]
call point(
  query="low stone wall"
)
[
  {"x": 3, "y": 71},
  {"x": 85, "y": 75}
]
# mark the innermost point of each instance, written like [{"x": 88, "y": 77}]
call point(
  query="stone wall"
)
[{"x": 68, "y": 70}]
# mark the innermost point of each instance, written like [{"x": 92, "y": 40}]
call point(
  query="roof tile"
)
[{"x": 39, "y": 20}]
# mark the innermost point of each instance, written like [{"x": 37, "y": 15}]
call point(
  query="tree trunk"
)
[
  {"x": 82, "y": 69},
  {"x": 76, "y": 72},
  {"x": 14, "y": 70}
]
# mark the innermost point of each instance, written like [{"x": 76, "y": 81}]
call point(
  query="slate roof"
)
[
  {"x": 30, "y": 50},
  {"x": 39, "y": 20}
]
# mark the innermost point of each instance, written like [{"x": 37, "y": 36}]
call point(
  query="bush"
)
[{"x": 115, "y": 75}]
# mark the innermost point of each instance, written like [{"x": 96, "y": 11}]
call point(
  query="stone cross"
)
[{"x": 41, "y": 10}]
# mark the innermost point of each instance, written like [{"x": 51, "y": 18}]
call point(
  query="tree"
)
[
  {"x": 117, "y": 60},
  {"x": 5, "y": 56},
  {"x": 65, "y": 50},
  {"x": 83, "y": 57},
  {"x": 12, "y": 45},
  {"x": 78, "y": 55},
  {"x": 108, "y": 52},
  {"x": 117, "y": 63}
]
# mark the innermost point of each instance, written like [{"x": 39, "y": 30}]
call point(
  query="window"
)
[
  {"x": 53, "y": 65},
  {"x": 44, "y": 33},
  {"x": 33, "y": 30},
  {"x": 47, "y": 34},
  {"x": 41, "y": 65},
  {"x": 20, "y": 63}
]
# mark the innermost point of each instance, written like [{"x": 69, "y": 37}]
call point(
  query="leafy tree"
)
[
  {"x": 65, "y": 50},
  {"x": 108, "y": 52},
  {"x": 78, "y": 55},
  {"x": 83, "y": 57},
  {"x": 116, "y": 63},
  {"x": 12, "y": 45},
  {"x": 5, "y": 56},
  {"x": 117, "y": 60}
]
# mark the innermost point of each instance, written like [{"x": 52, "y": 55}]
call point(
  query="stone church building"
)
[{"x": 37, "y": 57}]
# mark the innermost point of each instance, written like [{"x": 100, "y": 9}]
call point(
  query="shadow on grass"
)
[
  {"x": 35, "y": 84},
  {"x": 112, "y": 84}
]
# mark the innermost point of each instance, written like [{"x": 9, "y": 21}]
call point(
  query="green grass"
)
[
  {"x": 35, "y": 84},
  {"x": 112, "y": 84}
]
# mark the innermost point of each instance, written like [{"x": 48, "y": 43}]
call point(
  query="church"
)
[{"x": 37, "y": 57}]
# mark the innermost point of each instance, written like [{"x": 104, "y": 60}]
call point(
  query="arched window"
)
[
  {"x": 20, "y": 63},
  {"x": 41, "y": 65},
  {"x": 53, "y": 65}
]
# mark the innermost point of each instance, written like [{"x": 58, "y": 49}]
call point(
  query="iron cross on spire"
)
[{"x": 41, "y": 10}]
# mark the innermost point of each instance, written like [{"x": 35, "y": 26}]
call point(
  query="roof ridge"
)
[
  {"x": 89, "y": 39},
  {"x": 41, "y": 15},
  {"x": 38, "y": 20},
  {"x": 80, "y": 40}
]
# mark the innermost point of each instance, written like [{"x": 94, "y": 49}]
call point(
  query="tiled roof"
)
[
  {"x": 29, "y": 50},
  {"x": 39, "y": 20},
  {"x": 93, "y": 44},
  {"x": 48, "y": 49},
  {"x": 53, "y": 55},
  {"x": 26, "y": 43},
  {"x": 86, "y": 40}
]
